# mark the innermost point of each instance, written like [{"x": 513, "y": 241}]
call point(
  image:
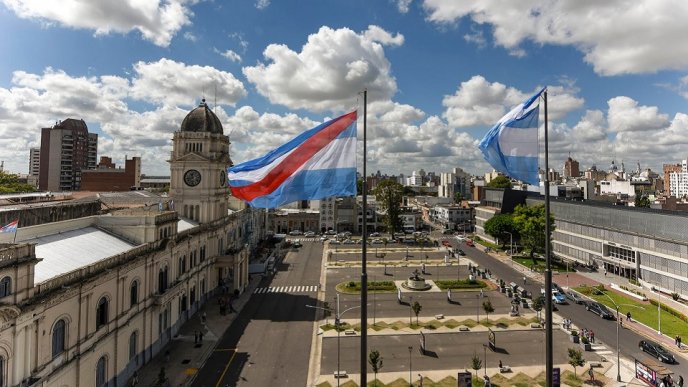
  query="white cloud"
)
[
  {"x": 262, "y": 4},
  {"x": 157, "y": 20},
  {"x": 626, "y": 116},
  {"x": 174, "y": 83},
  {"x": 619, "y": 37},
  {"x": 231, "y": 55},
  {"x": 403, "y": 5},
  {"x": 331, "y": 69},
  {"x": 190, "y": 36}
]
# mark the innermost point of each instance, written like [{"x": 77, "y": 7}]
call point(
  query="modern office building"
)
[
  {"x": 89, "y": 300},
  {"x": 456, "y": 181},
  {"x": 34, "y": 161},
  {"x": 66, "y": 149}
]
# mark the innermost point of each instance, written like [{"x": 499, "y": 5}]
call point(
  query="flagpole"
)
[
  {"x": 549, "y": 362},
  {"x": 364, "y": 274}
]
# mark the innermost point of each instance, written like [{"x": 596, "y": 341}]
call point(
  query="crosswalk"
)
[
  {"x": 601, "y": 349},
  {"x": 301, "y": 239},
  {"x": 287, "y": 289}
]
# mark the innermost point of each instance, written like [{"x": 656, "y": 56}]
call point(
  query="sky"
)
[{"x": 439, "y": 74}]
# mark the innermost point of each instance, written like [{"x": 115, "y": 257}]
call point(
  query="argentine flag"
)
[
  {"x": 317, "y": 164},
  {"x": 511, "y": 146}
]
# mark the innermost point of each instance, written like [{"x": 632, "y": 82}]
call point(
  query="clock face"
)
[
  {"x": 192, "y": 177},
  {"x": 223, "y": 178}
]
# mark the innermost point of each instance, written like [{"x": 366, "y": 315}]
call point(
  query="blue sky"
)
[{"x": 440, "y": 73}]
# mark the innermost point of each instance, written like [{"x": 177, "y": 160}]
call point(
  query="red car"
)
[{"x": 469, "y": 243}]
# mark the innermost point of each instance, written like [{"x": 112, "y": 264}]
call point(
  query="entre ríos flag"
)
[
  {"x": 10, "y": 227},
  {"x": 317, "y": 164}
]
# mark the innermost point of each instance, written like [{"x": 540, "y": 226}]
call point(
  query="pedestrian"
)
[
  {"x": 135, "y": 379},
  {"x": 200, "y": 337},
  {"x": 195, "y": 337},
  {"x": 591, "y": 374},
  {"x": 628, "y": 316},
  {"x": 678, "y": 344},
  {"x": 231, "y": 307},
  {"x": 524, "y": 280},
  {"x": 676, "y": 340},
  {"x": 592, "y": 336},
  {"x": 500, "y": 364},
  {"x": 203, "y": 317}
]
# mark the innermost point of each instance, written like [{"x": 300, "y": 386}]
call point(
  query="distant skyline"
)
[{"x": 439, "y": 73}]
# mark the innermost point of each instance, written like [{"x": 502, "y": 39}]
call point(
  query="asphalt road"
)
[
  {"x": 605, "y": 330},
  {"x": 270, "y": 341}
]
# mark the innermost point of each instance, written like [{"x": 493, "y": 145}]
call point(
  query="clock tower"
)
[{"x": 198, "y": 166}]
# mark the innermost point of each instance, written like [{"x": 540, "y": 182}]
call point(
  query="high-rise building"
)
[
  {"x": 34, "y": 161},
  {"x": 454, "y": 182},
  {"x": 66, "y": 149},
  {"x": 668, "y": 169},
  {"x": 678, "y": 181},
  {"x": 571, "y": 168}
]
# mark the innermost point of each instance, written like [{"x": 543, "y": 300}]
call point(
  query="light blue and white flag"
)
[{"x": 511, "y": 146}]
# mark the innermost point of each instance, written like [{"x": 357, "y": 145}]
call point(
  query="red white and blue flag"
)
[
  {"x": 317, "y": 164},
  {"x": 10, "y": 227}
]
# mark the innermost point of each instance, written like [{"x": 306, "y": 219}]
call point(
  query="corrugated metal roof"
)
[{"x": 74, "y": 249}]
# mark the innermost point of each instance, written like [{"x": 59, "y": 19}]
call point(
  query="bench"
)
[
  {"x": 535, "y": 325},
  {"x": 439, "y": 316},
  {"x": 349, "y": 332},
  {"x": 464, "y": 329},
  {"x": 340, "y": 374}
]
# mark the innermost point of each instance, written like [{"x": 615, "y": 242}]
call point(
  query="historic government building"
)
[{"x": 87, "y": 301}]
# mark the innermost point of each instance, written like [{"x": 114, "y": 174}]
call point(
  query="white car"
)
[
  {"x": 295, "y": 232},
  {"x": 376, "y": 241},
  {"x": 334, "y": 242},
  {"x": 309, "y": 234},
  {"x": 323, "y": 238}
]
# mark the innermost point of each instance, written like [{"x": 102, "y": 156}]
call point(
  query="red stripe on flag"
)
[{"x": 295, "y": 160}]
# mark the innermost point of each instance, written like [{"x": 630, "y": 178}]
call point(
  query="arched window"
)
[
  {"x": 101, "y": 372},
  {"x": 102, "y": 312},
  {"x": 134, "y": 294},
  {"x": 59, "y": 331},
  {"x": 5, "y": 287},
  {"x": 162, "y": 280},
  {"x": 2, "y": 371},
  {"x": 133, "y": 347}
]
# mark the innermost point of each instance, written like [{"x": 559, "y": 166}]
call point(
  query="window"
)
[
  {"x": 102, "y": 312},
  {"x": 162, "y": 280},
  {"x": 58, "y": 338},
  {"x": 2, "y": 372},
  {"x": 5, "y": 287},
  {"x": 133, "y": 351},
  {"x": 101, "y": 372},
  {"x": 134, "y": 294},
  {"x": 202, "y": 253}
]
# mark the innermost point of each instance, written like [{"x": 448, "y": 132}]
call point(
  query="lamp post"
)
[
  {"x": 410, "y": 310},
  {"x": 511, "y": 248},
  {"x": 410, "y": 349},
  {"x": 659, "y": 312},
  {"x": 618, "y": 363},
  {"x": 337, "y": 322},
  {"x": 477, "y": 307},
  {"x": 485, "y": 359}
]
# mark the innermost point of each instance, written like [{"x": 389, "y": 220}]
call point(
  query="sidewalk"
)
[{"x": 186, "y": 358}]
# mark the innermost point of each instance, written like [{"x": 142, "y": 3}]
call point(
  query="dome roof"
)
[{"x": 202, "y": 119}]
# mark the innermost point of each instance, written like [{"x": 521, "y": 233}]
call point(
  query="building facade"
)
[
  {"x": 106, "y": 177},
  {"x": 34, "y": 161},
  {"x": 571, "y": 168},
  {"x": 66, "y": 149},
  {"x": 87, "y": 301}
]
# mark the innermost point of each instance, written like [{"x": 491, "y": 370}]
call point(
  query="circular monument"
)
[{"x": 416, "y": 282}]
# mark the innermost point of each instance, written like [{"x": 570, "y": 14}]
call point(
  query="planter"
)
[
  {"x": 574, "y": 339},
  {"x": 586, "y": 346}
]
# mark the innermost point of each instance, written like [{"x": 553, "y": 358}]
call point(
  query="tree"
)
[
  {"x": 576, "y": 359},
  {"x": 375, "y": 361},
  {"x": 499, "y": 226},
  {"x": 642, "y": 201},
  {"x": 476, "y": 363},
  {"x": 487, "y": 306},
  {"x": 500, "y": 182},
  {"x": 538, "y": 304},
  {"x": 417, "y": 307},
  {"x": 458, "y": 197},
  {"x": 530, "y": 224},
  {"x": 9, "y": 183},
  {"x": 389, "y": 195}
]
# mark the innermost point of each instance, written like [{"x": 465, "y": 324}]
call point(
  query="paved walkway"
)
[{"x": 186, "y": 357}]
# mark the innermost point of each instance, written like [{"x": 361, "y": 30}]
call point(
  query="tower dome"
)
[{"x": 202, "y": 119}]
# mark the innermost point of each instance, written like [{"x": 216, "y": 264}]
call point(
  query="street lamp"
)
[
  {"x": 618, "y": 363},
  {"x": 511, "y": 248},
  {"x": 337, "y": 322},
  {"x": 477, "y": 307},
  {"x": 410, "y": 373},
  {"x": 659, "y": 312},
  {"x": 410, "y": 310},
  {"x": 485, "y": 358}
]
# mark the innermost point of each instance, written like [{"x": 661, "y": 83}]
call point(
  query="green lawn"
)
[
  {"x": 641, "y": 311},
  {"x": 540, "y": 266},
  {"x": 462, "y": 284},
  {"x": 353, "y": 287}
]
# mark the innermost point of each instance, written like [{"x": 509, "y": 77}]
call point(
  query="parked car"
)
[
  {"x": 376, "y": 242},
  {"x": 331, "y": 232},
  {"x": 334, "y": 242},
  {"x": 323, "y": 238},
  {"x": 375, "y": 235},
  {"x": 295, "y": 232},
  {"x": 557, "y": 288},
  {"x": 297, "y": 243},
  {"x": 349, "y": 242},
  {"x": 657, "y": 351},
  {"x": 574, "y": 297},
  {"x": 309, "y": 234},
  {"x": 558, "y": 298},
  {"x": 460, "y": 252},
  {"x": 599, "y": 310}
]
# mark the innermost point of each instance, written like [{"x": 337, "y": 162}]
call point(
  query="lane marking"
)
[{"x": 225, "y": 370}]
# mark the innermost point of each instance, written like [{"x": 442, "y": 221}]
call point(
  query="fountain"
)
[{"x": 416, "y": 282}]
